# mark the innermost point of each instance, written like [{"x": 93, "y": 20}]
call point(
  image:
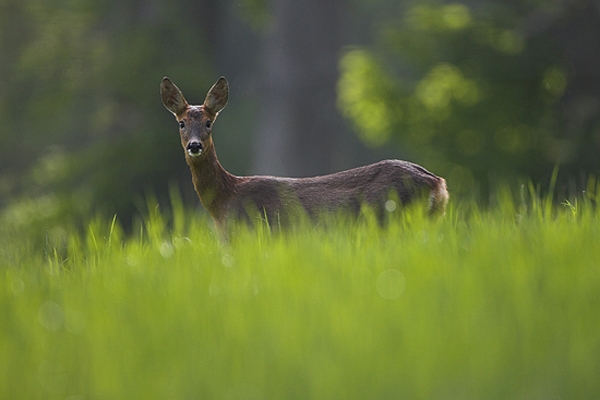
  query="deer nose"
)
[{"x": 194, "y": 149}]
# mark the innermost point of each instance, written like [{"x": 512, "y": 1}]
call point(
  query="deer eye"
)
[
  {"x": 208, "y": 124},
  {"x": 181, "y": 124}
]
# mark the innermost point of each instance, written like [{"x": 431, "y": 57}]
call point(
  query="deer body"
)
[{"x": 226, "y": 196}]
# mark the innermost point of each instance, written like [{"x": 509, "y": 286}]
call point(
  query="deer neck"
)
[{"x": 214, "y": 185}]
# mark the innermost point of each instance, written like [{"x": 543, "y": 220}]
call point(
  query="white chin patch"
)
[{"x": 194, "y": 153}]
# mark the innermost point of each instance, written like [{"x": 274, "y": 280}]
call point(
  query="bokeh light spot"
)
[
  {"x": 456, "y": 16},
  {"x": 555, "y": 81},
  {"x": 390, "y": 284},
  {"x": 51, "y": 316},
  {"x": 390, "y": 206}
]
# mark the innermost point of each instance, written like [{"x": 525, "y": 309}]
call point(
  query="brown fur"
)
[{"x": 228, "y": 196}]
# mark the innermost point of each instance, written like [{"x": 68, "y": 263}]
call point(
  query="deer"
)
[{"x": 228, "y": 197}]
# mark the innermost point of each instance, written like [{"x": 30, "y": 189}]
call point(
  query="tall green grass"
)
[{"x": 484, "y": 304}]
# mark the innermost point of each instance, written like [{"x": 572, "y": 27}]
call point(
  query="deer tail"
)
[{"x": 438, "y": 198}]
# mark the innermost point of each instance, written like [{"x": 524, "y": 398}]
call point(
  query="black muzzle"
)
[{"x": 194, "y": 149}]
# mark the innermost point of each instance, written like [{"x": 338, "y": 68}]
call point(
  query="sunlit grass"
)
[{"x": 498, "y": 303}]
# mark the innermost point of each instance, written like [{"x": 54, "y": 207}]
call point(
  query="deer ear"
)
[
  {"x": 172, "y": 97},
  {"x": 217, "y": 96}
]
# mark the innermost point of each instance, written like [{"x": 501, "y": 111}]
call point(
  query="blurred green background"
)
[{"x": 476, "y": 91}]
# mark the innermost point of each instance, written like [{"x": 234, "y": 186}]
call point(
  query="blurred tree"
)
[
  {"x": 82, "y": 122},
  {"x": 472, "y": 89},
  {"x": 482, "y": 90},
  {"x": 82, "y": 128},
  {"x": 300, "y": 127}
]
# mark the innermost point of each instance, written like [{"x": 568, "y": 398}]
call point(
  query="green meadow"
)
[{"x": 501, "y": 302}]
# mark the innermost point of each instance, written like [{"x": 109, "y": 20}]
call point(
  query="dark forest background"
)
[{"x": 477, "y": 91}]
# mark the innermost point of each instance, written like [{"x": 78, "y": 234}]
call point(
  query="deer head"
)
[{"x": 195, "y": 122}]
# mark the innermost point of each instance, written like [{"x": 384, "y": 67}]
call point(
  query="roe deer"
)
[{"x": 227, "y": 196}]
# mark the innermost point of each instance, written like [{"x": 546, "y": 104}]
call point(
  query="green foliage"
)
[
  {"x": 472, "y": 93},
  {"x": 82, "y": 123},
  {"x": 482, "y": 304},
  {"x": 256, "y": 12},
  {"x": 362, "y": 96}
]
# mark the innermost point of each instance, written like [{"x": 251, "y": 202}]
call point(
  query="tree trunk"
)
[{"x": 299, "y": 122}]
